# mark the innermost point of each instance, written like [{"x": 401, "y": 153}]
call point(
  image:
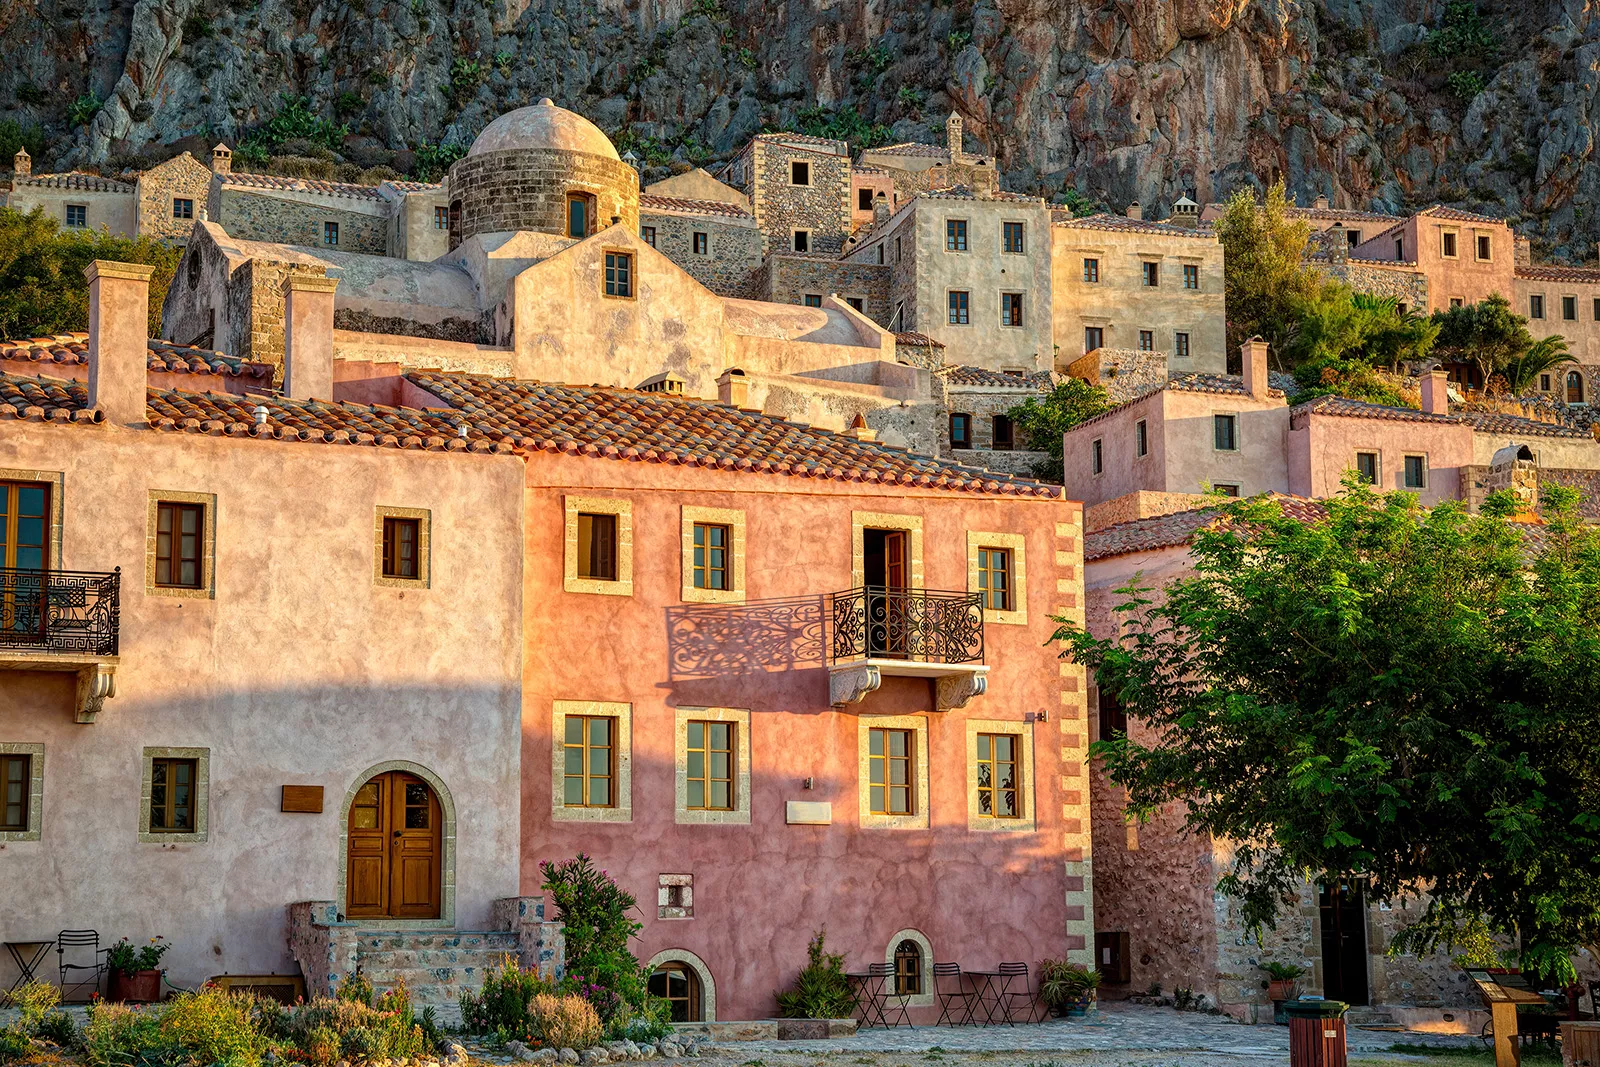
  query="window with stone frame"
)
[
  {"x": 960, "y": 430},
  {"x": 998, "y": 779},
  {"x": 1150, "y": 273},
  {"x": 856, "y": 302},
  {"x": 1367, "y": 467},
  {"x": 16, "y": 780},
  {"x": 1191, "y": 276},
  {"x": 182, "y": 208},
  {"x": 1180, "y": 345},
  {"x": 994, "y": 578},
  {"x": 955, "y": 235},
  {"x": 172, "y": 795},
  {"x": 580, "y": 215},
  {"x": 589, "y": 761},
  {"x": 1569, "y": 308},
  {"x": 180, "y": 545},
  {"x": 709, "y": 775},
  {"x": 401, "y": 540},
  {"x": 1447, "y": 244},
  {"x": 801, "y": 241},
  {"x": 891, "y": 771},
  {"x": 1536, "y": 305},
  {"x": 812, "y": 300},
  {"x": 77, "y": 216},
  {"x": 701, "y": 243},
  {"x": 1147, "y": 341},
  {"x": 1485, "y": 246},
  {"x": 1011, "y": 309},
  {"x": 330, "y": 234},
  {"x": 1091, "y": 270},
  {"x": 647, "y": 234},
  {"x": 1011, "y": 239},
  {"x": 1225, "y": 433},
  {"x": 960, "y": 301},
  {"x": 1416, "y": 472},
  {"x": 713, "y": 556},
  {"x": 1093, "y": 337},
  {"x": 597, "y": 546},
  {"x": 799, "y": 172},
  {"x": 619, "y": 274},
  {"x": 908, "y": 969}
]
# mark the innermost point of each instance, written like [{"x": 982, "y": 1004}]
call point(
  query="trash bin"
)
[{"x": 1316, "y": 1032}]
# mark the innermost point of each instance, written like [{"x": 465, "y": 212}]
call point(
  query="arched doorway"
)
[
  {"x": 1574, "y": 387},
  {"x": 395, "y": 850},
  {"x": 678, "y": 985}
]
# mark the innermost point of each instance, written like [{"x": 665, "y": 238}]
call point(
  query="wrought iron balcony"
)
[
  {"x": 59, "y": 613},
  {"x": 921, "y": 633}
]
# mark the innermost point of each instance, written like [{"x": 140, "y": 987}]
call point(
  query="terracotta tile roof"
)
[
  {"x": 164, "y": 356},
  {"x": 247, "y": 180},
  {"x": 835, "y": 146},
  {"x": 624, "y": 424},
  {"x": 864, "y": 168},
  {"x": 1178, "y": 528},
  {"x": 1122, "y": 223},
  {"x": 41, "y": 399},
  {"x": 1396, "y": 264},
  {"x": 1439, "y": 211},
  {"x": 1197, "y": 382},
  {"x": 88, "y": 183},
  {"x": 981, "y": 376},
  {"x": 1503, "y": 423},
  {"x": 1340, "y": 214},
  {"x": 911, "y": 337},
  {"x": 965, "y": 192},
  {"x": 1554, "y": 273},
  {"x": 1360, "y": 409},
  {"x": 412, "y": 187},
  {"x": 651, "y": 202},
  {"x": 912, "y": 148}
]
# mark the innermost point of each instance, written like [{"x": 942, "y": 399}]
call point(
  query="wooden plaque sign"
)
[{"x": 307, "y": 798}]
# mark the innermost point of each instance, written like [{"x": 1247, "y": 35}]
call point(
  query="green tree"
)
[
  {"x": 1405, "y": 697},
  {"x": 1265, "y": 276},
  {"x": 1544, "y": 354},
  {"x": 1487, "y": 334},
  {"x": 42, "y": 287},
  {"x": 1042, "y": 420}
]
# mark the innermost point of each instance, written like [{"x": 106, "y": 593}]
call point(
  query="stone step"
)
[
  {"x": 427, "y": 959},
  {"x": 1368, "y": 1017},
  {"x": 483, "y": 940}
]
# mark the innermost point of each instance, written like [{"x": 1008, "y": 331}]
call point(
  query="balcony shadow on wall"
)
[{"x": 722, "y": 641}]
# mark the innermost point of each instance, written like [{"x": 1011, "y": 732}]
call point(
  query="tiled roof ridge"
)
[
  {"x": 1179, "y": 527},
  {"x": 966, "y": 192},
  {"x": 73, "y": 348},
  {"x": 1333, "y": 404},
  {"x": 912, "y": 337},
  {"x": 693, "y": 205},
  {"x": 1107, "y": 221},
  {"x": 78, "y": 179},
  {"x": 252, "y": 180},
  {"x": 1367, "y": 261},
  {"x": 1338, "y": 213},
  {"x": 1557, "y": 272}
]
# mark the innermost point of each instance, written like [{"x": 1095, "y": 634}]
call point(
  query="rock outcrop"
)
[{"x": 1386, "y": 104}]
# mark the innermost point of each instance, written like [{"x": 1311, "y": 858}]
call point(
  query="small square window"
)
[
  {"x": 713, "y": 556},
  {"x": 1535, "y": 306},
  {"x": 1569, "y": 308},
  {"x": 856, "y": 302},
  {"x": 799, "y": 173},
  {"x": 1012, "y": 238},
  {"x": 182, "y": 208},
  {"x": 813, "y": 300},
  {"x": 1113, "y": 717},
  {"x": 1180, "y": 345},
  {"x": 1141, "y": 438},
  {"x": 1147, "y": 341},
  {"x": 1447, "y": 246},
  {"x": 1456, "y": 301},
  {"x": 77, "y": 216},
  {"x": 891, "y": 765},
  {"x": 994, "y": 578},
  {"x": 441, "y": 218},
  {"x": 172, "y": 795},
  {"x": 1224, "y": 489},
  {"x": 955, "y": 235},
  {"x": 330, "y": 234},
  {"x": 702, "y": 244},
  {"x": 710, "y": 772},
  {"x": 960, "y": 430},
  {"x": 647, "y": 234},
  {"x": 999, "y": 781},
  {"x": 401, "y": 546},
  {"x": 1544, "y": 383},
  {"x": 1093, "y": 337},
  {"x": 1484, "y": 246},
  {"x": 1091, "y": 270},
  {"x": 619, "y": 274},
  {"x": 597, "y": 546},
  {"x": 959, "y": 300},
  {"x": 180, "y": 545},
  {"x": 1097, "y": 456},
  {"x": 1003, "y": 433},
  {"x": 1367, "y": 467},
  {"x": 1225, "y": 433},
  {"x": 802, "y": 240},
  {"x": 1416, "y": 472},
  {"x": 1353, "y": 237},
  {"x": 863, "y": 199},
  {"x": 1191, "y": 276},
  {"x": 589, "y": 762},
  {"x": 1011, "y": 309},
  {"x": 1150, "y": 273}
]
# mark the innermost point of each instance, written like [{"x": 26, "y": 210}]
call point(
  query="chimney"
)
[
  {"x": 880, "y": 208},
  {"x": 858, "y": 429},
  {"x": 308, "y": 336},
  {"x": 1321, "y": 203},
  {"x": 1522, "y": 251},
  {"x": 21, "y": 167},
  {"x": 1436, "y": 392},
  {"x": 952, "y": 136},
  {"x": 119, "y": 339},
  {"x": 1253, "y": 360},
  {"x": 733, "y": 388},
  {"x": 1134, "y": 211},
  {"x": 1338, "y": 243},
  {"x": 221, "y": 159}
]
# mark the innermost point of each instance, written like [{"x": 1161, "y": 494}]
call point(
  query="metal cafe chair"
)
[
  {"x": 890, "y": 1004},
  {"x": 87, "y": 946},
  {"x": 952, "y": 991},
  {"x": 1013, "y": 998}
]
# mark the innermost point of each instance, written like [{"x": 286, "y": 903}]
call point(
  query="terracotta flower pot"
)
[
  {"x": 1280, "y": 989},
  {"x": 142, "y": 987}
]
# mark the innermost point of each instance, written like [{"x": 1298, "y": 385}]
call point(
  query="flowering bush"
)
[
  {"x": 37, "y": 1022},
  {"x": 501, "y": 1006},
  {"x": 128, "y": 961},
  {"x": 567, "y": 1021}
]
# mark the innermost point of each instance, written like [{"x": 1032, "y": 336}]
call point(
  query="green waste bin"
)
[{"x": 1316, "y": 1032}]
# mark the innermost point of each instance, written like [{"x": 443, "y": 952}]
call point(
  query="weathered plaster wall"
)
[
  {"x": 112, "y": 211},
  {"x": 1323, "y": 448},
  {"x": 1582, "y": 333},
  {"x": 299, "y": 670},
  {"x": 762, "y": 889}
]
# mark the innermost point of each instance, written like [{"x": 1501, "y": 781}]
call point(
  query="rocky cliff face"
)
[{"x": 1388, "y": 104}]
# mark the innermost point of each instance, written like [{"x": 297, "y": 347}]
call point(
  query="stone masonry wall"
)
[
  {"x": 980, "y": 179},
  {"x": 253, "y": 217},
  {"x": 733, "y": 249},
  {"x": 180, "y": 177},
  {"x": 787, "y": 279},
  {"x": 526, "y": 189},
  {"x": 1072, "y": 717},
  {"x": 1408, "y": 287},
  {"x": 823, "y": 207},
  {"x": 255, "y": 310},
  {"x": 900, "y": 255},
  {"x": 1587, "y": 482}
]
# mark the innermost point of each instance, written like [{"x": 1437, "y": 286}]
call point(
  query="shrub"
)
[
  {"x": 117, "y": 1035},
  {"x": 502, "y": 1003},
  {"x": 821, "y": 991},
  {"x": 83, "y": 110},
  {"x": 34, "y": 1001},
  {"x": 567, "y": 1021},
  {"x": 355, "y": 988},
  {"x": 59, "y": 1028},
  {"x": 349, "y": 1029},
  {"x": 215, "y": 1026},
  {"x": 14, "y": 1044}
]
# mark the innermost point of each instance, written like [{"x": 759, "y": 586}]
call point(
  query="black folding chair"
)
[
  {"x": 1012, "y": 997},
  {"x": 951, "y": 989},
  {"x": 1594, "y": 999},
  {"x": 87, "y": 945},
  {"x": 890, "y": 1003}
]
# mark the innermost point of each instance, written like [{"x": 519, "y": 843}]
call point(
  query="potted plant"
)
[
  {"x": 136, "y": 972},
  {"x": 1068, "y": 989},
  {"x": 1280, "y": 986}
]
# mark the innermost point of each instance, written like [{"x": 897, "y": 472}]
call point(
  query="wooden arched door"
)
[{"x": 396, "y": 852}]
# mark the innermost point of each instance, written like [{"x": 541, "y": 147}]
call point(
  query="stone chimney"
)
[
  {"x": 1522, "y": 251},
  {"x": 21, "y": 167},
  {"x": 952, "y": 136},
  {"x": 733, "y": 388},
  {"x": 1321, "y": 203},
  {"x": 1185, "y": 212},
  {"x": 1253, "y": 360},
  {"x": 221, "y": 159},
  {"x": 858, "y": 429},
  {"x": 119, "y": 339},
  {"x": 880, "y": 208},
  {"x": 1135, "y": 211},
  {"x": 1513, "y": 468},
  {"x": 1337, "y": 243},
  {"x": 1436, "y": 392},
  {"x": 308, "y": 336}
]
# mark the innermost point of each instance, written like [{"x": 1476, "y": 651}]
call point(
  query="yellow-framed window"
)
[
  {"x": 994, "y": 578},
  {"x": 710, "y": 770},
  {"x": 890, "y": 761},
  {"x": 999, "y": 788},
  {"x": 713, "y": 556},
  {"x": 590, "y": 761}
]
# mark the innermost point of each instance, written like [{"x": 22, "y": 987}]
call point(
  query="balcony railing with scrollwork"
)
[
  {"x": 919, "y": 625},
  {"x": 71, "y": 612}
]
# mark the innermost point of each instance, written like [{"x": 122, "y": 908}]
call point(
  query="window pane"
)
[
  {"x": 897, "y": 742},
  {"x": 875, "y": 742},
  {"x": 720, "y": 795},
  {"x": 697, "y": 765},
  {"x": 600, "y": 731},
  {"x": 983, "y": 746},
  {"x": 574, "y": 730},
  {"x": 719, "y": 765},
  {"x": 365, "y": 818},
  {"x": 697, "y": 735},
  {"x": 697, "y": 794},
  {"x": 600, "y": 792},
  {"x": 1004, "y": 746},
  {"x": 876, "y": 803},
  {"x": 720, "y": 735},
  {"x": 600, "y": 761},
  {"x": 416, "y": 818},
  {"x": 574, "y": 790}
]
